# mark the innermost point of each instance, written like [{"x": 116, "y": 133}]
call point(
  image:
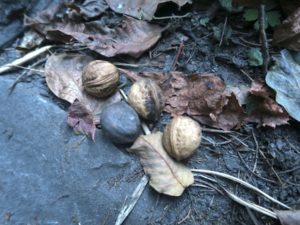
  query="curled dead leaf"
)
[
  {"x": 204, "y": 97},
  {"x": 128, "y": 36},
  {"x": 166, "y": 176},
  {"x": 81, "y": 119},
  {"x": 262, "y": 108}
]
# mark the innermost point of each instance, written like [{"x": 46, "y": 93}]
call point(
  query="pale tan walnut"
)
[
  {"x": 182, "y": 137},
  {"x": 146, "y": 97},
  {"x": 100, "y": 78}
]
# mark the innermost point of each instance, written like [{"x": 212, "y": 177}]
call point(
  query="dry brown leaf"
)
[
  {"x": 63, "y": 77},
  {"x": 289, "y": 217},
  {"x": 140, "y": 9},
  {"x": 287, "y": 34},
  {"x": 263, "y": 109},
  {"x": 129, "y": 36},
  {"x": 81, "y": 119},
  {"x": 166, "y": 176},
  {"x": 204, "y": 97}
]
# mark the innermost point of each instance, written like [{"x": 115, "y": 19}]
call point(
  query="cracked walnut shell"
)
[{"x": 100, "y": 78}]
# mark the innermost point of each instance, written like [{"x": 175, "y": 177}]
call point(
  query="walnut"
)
[
  {"x": 181, "y": 137},
  {"x": 146, "y": 97},
  {"x": 100, "y": 78}
]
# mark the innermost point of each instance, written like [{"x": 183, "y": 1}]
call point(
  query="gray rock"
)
[{"x": 120, "y": 123}]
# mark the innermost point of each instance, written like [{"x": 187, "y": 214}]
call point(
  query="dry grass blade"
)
[
  {"x": 235, "y": 179},
  {"x": 127, "y": 208},
  {"x": 24, "y": 59},
  {"x": 251, "y": 205}
]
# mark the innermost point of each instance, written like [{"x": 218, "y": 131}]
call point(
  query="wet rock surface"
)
[{"x": 48, "y": 175}]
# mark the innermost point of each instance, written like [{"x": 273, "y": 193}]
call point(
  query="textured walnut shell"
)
[
  {"x": 146, "y": 97},
  {"x": 120, "y": 123},
  {"x": 100, "y": 78},
  {"x": 182, "y": 137}
]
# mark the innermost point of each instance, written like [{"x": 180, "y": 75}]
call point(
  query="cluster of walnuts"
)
[{"x": 120, "y": 121}]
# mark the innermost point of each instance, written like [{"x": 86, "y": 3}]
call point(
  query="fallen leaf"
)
[
  {"x": 284, "y": 78},
  {"x": 63, "y": 77},
  {"x": 81, "y": 119},
  {"x": 140, "y": 9},
  {"x": 288, "y": 217},
  {"x": 128, "y": 36},
  {"x": 166, "y": 176},
  {"x": 262, "y": 108},
  {"x": 287, "y": 34},
  {"x": 204, "y": 97}
]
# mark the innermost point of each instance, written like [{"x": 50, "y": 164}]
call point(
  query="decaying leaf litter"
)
[{"x": 205, "y": 97}]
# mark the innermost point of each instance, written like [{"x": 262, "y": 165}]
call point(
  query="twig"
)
[
  {"x": 247, "y": 167},
  {"x": 211, "y": 130},
  {"x": 186, "y": 217},
  {"x": 171, "y": 17},
  {"x": 24, "y": 59},
  {"x": 179, "y": 51},
  {"x": 252, "y": 216},
  {"x": 235, "y": 179},
  {"x": 256, "y": 151},
  {"x": 272, "y": 168},
  {"x": 19, "y": 78},
  {"x": 127, "y": 207},
  {"x": 249, "y": 43},
  {"x": 247, "y": 75},
  {"x": 135, "y": 65},
  {"x": 264, "y": 40},
  {"x": 223, "y": 31}
]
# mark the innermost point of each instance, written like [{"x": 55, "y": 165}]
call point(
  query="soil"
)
[{"x": 48, "y": 175}]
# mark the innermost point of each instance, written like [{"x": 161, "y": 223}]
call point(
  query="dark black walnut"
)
[
  {"x": 146, "y": 97},
  {"x": 120, "y": 123}
]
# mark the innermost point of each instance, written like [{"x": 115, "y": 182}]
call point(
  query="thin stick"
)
[
  {"x": 211, "y": 130},
  {"x": 24, "y": 59},
  {"x": 179, "y": 51},
  {"x": 171, "y": 17},
  {"x": 235, "y": 179},
  {"x": 20, "y": 77},
  {"x": 223, "y": 31},
  {"x": 264, "y": 40},
  {"x": 128, "y": 207},
  {"x": 247, "y": 75}
]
